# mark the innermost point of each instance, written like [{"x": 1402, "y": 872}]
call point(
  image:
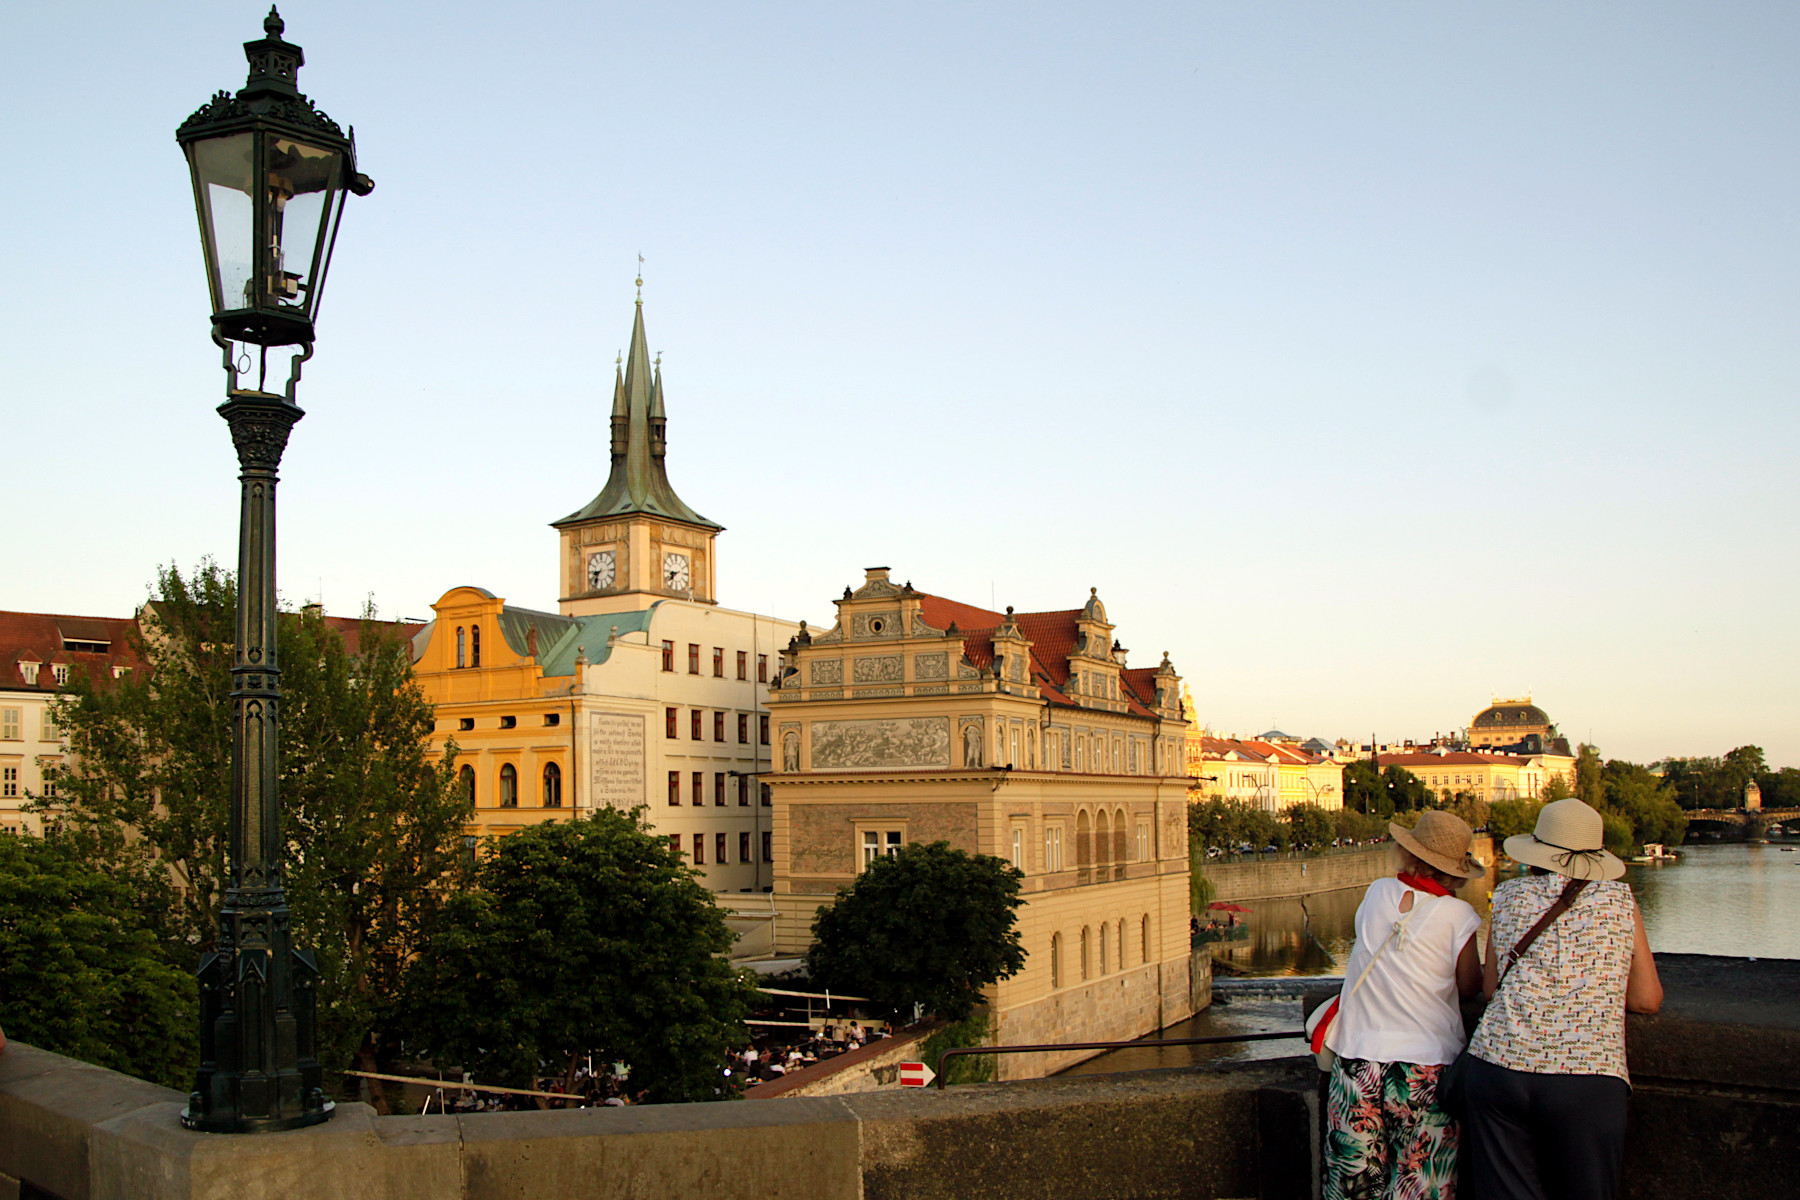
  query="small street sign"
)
[{"x": 916, "y": 1075}]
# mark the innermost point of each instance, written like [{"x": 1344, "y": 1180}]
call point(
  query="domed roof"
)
[{"x": 1510, "y": 714}]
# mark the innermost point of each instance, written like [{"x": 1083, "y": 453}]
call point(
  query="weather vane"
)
[{"x": 640, "y": 277}]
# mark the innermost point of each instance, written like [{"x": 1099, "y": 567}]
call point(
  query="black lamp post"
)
[{"x": 270, "y": 173}]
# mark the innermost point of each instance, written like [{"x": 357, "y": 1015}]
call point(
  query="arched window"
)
[
  {"x": 1084, "y": 952},
  {"x": 461, "y": 650},
  {"x": 1146, "y": 937},
  {"x": 1103, "y": 957},
  {"x": 509, "y": 786},
  {"x": 1121, "y": 943},
  {"x": 552, "y": 786},
  {"x": 474, "y": 645},
  {"x": 1084, "y": 842},
  {"x": 465, "y": 778},
  {"x": 1120, "y": 853},
  {"x": 1102, "y": 843},
  {"x": 1056, "y": 960}
]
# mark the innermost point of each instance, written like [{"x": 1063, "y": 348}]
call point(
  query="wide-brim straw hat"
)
[
  {"x": 1441, "y": 840},
  {"x": 1570, "y": 839}
]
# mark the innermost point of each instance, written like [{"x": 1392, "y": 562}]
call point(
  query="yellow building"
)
[
  {"x": 1022, "y": 735},
  {"x": 1509, "y": 723},
  {"x": 1483, "y": 774},
  {"x": 640, "y": 691}
]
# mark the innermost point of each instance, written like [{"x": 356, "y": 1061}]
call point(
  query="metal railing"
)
[{"x": 1217, "y": 1040}]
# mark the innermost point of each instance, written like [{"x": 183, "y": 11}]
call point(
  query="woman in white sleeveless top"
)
[
  {"x": 1399, "y": 1024},
  {"x": 1547, "y": 1084}
]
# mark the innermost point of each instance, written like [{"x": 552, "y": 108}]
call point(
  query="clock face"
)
[
  {"x": 675, "y": 572},
  {"x": 603, "y": 568}
]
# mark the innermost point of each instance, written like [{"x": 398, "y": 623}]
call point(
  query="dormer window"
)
[
  {"x": 29, "y": 671},
  {"x": 60, "y": 672}
]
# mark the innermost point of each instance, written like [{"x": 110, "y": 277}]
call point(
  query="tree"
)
[
  {"x": 1408, "y": 791},
  {"x": 927, "y": 926},
  {"x": 373, "y": 827},
  {"x": 1308, "y": 825},
  {"x": 1739, "y": 768},
  {"x": 83, "y": 972},
  {"x": 590, "y": 936},
  {"x": 1635, "y": 794},
  {"x": 1364, "y": 791},
  {"x": 1588, "y": 785},
  {"x": 1508, "y": 818},
  {"x": 1555, "y": 788},
  {"x": 1780, "y": 789}
]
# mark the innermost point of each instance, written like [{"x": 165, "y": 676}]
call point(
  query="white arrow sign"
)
[{"x": 916, "y": 1075}]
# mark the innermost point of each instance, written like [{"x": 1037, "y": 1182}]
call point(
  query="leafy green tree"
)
[
  {"x": 373, "y": 826},
  {"x": 1364, "y": 790},
  {"x": 1638, "y": 796},
  {"x": 929, "y": 926},
  {"x": 1508, "y": 818},
  {"x": 1556, "y": 788},
  {"x": 1780, "y": 789},
  {"x": 83, "y": 972},
  {"x": 1740, "y": 767},
  {"x": 1588, "y": 785},
  {"x": 1351, "y": 825},
  {"x": 583, "y": 937},
  {"x": 1308, "y": 825},
  {"x": 1407, "y": 791}
]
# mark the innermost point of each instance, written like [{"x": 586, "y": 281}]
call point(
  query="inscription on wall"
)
[
  {"x": 827, "y": 671},
  {"x": 885, "y": 669},
  {"x": 886, "y": 744},
  {"x": 616, "y": 753}
]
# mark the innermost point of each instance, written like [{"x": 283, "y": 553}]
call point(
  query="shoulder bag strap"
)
[
  {"x": 1399, "y": 928},
  {"x": 1550, "y": 914}
]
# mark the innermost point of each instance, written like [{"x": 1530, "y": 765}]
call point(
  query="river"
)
[{"x": 1739, "y": 899}]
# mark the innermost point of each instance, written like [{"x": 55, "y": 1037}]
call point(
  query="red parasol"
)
[{"x": 1226, "y": 906}]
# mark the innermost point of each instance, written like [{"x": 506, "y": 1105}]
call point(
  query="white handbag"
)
[{"x": 1318, "y": 1026}]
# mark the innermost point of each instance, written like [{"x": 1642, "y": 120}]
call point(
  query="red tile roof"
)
[{"x": 40, "y": 637}]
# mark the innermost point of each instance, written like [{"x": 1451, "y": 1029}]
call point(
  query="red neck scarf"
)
[{"x": 1422, "y": 884}]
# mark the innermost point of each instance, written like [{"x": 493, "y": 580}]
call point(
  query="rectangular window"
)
[
  {"x": 762, "y": 668},
  {"x": 670, "y": 722},
  {"x": 50, "y": 732},
  {"x": 668, "y": 655},
  {"x": 693, "y": 659},
  {"x": 699, "y": 788},
  {"x": 675, "y": 844},
  {"x": 694, "y": 724},
  {"x": 744, "y": 794},
  {"x": 719, "y": 791},
  {"x": 718, "y": 662},
  {"x": 1018, "y": 849},
  {"x": 768, "y": 846},
  {"x": 718, "y": 727},
  {"x": 699, "y": 849},
  {"x": 871, "y": 847},
  {"x": 1053, "y": 848},
  {"x": 1143, "y": 840},
  {"x": 743, "y": 847},
  {"x": 893, "y": 842},
  {"x": 50, "y": 781},
  {"x": 719, "y": 849},
  {"x": 768, "y": 795},
  {"x": 60, "y": 671},
  {"x": 9, "y": 724},
  {"x": 674, "y": 790},
  {"x": 743, "y": 664},
  {"x": 762, "y": 728},
  {"x": 9, "y": 781},
  {"x": 743, "y": 729}
]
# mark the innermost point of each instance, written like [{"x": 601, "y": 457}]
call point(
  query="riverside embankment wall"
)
[{"x": 1282, "y": 878}]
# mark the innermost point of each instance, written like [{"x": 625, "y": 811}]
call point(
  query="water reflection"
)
[{"x": 1741, "y": 900}]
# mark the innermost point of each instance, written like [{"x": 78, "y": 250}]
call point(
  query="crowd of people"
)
[{"x": 773, "y": 1056}]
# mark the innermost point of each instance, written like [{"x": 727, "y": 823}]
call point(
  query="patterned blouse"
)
[{"x": 1561, "y": 1010}]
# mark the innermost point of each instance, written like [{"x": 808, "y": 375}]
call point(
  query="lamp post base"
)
[{"x": 203, "y": 1124}]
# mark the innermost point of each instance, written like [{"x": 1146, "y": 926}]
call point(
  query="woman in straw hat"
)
[
  {"x": 1546, "y": 1080},
  {"x": 1398, "y": 1022}
]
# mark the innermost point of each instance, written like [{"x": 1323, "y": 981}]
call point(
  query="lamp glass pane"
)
[
  {"x": 224, "y": 178},
  {"x": 303, "y": 181}
]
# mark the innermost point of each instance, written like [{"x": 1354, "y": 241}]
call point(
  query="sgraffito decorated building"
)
[
  {"x": 1023, "y": 735},
  {"x": 640, "y": 690}
]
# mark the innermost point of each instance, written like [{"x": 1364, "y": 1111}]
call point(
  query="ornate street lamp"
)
[{"x": 270, "y": 173}]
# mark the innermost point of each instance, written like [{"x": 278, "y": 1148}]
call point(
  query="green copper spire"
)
[{"x": 639, "y": 482}]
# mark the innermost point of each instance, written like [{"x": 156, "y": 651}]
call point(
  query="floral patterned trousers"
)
[{"x": 1385, "y": 1137}]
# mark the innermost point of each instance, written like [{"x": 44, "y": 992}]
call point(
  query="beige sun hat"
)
[
  {"x": 1570, "y": 839},
  {"x": 1441, "y": 839}
]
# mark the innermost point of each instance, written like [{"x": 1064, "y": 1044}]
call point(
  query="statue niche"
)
[
  {"x": 790, "y": 751},
  {"x": 971, "y": 745}
]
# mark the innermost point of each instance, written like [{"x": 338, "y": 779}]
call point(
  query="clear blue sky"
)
[{"x": 1369, "y": 359}]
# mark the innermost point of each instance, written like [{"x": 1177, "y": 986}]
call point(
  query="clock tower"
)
[{"x": 636, "y": 542}]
